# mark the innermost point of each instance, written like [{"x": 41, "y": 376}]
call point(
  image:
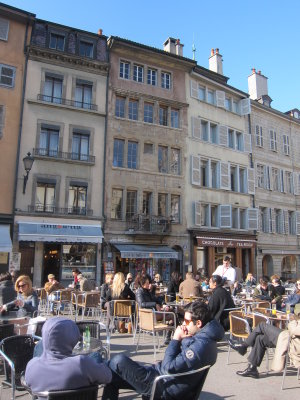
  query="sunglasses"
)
[
  {"x": 24, "y": 284},
  {"x": 188, "y": 321}
]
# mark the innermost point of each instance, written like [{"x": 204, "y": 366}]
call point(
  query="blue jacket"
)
[{"x": 191, "y": 353}]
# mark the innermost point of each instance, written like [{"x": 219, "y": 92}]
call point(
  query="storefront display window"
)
[
  {"x": 289, "y": 267},
  {"x": 81, "y": 256}
]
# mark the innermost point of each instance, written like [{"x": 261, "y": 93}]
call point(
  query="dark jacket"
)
[
  {"x": 264, "y": 294},
  {"x": 105, "y": 293},
  {"x": 31, "y": 303},
  {"x": 126, "y": 294},
  {"x": 190, "y": 353},
  {"x": 218, "y": 302},
  {"x": 7, "y": 292},
  {"x": 173, "y": 288},
  {"x": 56, "y": 369},
  {"x": 146, "y": 299}
]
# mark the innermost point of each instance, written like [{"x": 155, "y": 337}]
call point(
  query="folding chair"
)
[{"x": 239, "y": 327}]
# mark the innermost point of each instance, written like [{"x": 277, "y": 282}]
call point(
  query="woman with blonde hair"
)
[
  {"x": 27, "y": 298},
  {"x": 119, "y": 289}
]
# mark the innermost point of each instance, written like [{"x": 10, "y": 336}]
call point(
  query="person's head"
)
[
  {"x": 275, "y": 279},
  {"x": 298, "y": 286},
  {"x": 263, "y": 281},
  {"x": 129, "y": 277},
  {"x": 189, "y": 275},
  {"x": 249, "y": 276},
  {"x": 23, "y": 285},
  {"x": 145, "y": 282},
  {"x": 5, "y": 276},
  {"x": 157, "y": 278},
  {"x": 75, "y": 271},
  {"x": 109, "y": 278},
  {"x": 197, "y": 277},
  {"x": 175, "y": 277},
  {"x": 226, "y": 261},
  {"x": 196, "y": 316},
  {"x": 51, "y": 278},
  {"x": 215, "y": 281},
  {"x": 118, "y": 284}
]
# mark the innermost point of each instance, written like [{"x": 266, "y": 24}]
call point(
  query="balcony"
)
[
  {"x": 67, "y": 102},
  {"x": 140, "y": 224},
  {"x": 62, "y": 155},
  {"x": 49, "y": 209}
]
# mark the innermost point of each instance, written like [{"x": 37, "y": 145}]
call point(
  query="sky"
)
[{"x": 261, "y": 34}]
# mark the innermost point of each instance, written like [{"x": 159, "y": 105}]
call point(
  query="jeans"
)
[{"x": 128, "y": 374}]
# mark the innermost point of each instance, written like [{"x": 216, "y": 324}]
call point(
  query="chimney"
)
[
  {"x": 100, "y": 32},
  {"x": 173, "y": 46},
  {"x": 258, "y": 87},
  {"x": 215, "y": 61}
]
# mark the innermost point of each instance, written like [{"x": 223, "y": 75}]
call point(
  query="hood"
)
[
  {"x": 213, "y": 330},
  {"x": 60, "y": 335}
]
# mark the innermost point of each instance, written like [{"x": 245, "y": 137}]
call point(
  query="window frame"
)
[
  {"x": 166, "y": 78},
  {"x": 12, "y": 77},
  {"x": 87, "y": 44},
  {"x": 5, "y": 22},
  {"x": 123, "y": 74},
  {"x": 151, "y": 76},
  {"x": 120, "y": 106},
  {"x": 118, "y": 215},
  {"x": 138, "y": 73},
  {"x": 57, "y": 35}
]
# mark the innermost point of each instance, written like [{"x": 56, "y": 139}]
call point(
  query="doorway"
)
[{"x": 51, "y": 261}]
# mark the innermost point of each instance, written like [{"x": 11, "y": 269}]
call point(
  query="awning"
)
[
  {"x": 5, "y": 240},
  {"x": 47, "y": 232},
  {"x": 144, "y": 251}
]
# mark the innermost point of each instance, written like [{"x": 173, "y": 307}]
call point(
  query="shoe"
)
[
  {"x": 241, "y": 348},
  {"x": 250, "y": 371}
]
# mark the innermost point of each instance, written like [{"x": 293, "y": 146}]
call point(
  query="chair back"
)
[
  {"x": 6, "y": 330},
  {"x": 258, "y": 318},
  {"x": 238, "y": 325},
  {"x": 122, "y": 308},
  {"x": 92, "y": 299},
  {"x": 146, "y": 319},
  {"x": 263, "y": 304},
  {"x": 84, "y": 393},
  {"x": 65, "y": 295},
  {"x": 94, "y": 327},
  {"x": 42, "y": 295}
]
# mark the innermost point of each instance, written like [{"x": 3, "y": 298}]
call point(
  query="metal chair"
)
[
  {"x": 6, "y": 330},
  {"x": 121, "y": 310},
  {"x": 64, "y": 298},
  {"x": 191, "y": 396},
  {"x": 95, "y": 330},
  {"x": 239, "y": 327},
  {"x": 84, "y": 393},
  {"x": 88, "y": 302},
  {"x": 287, "y": 365}
]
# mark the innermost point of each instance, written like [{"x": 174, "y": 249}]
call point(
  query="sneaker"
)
[
  {"x": 250, "y": 371},
  {"x": 241, "y": 348}
]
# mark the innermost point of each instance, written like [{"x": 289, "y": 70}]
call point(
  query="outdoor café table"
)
[
  {"x": 280, "y": 320},
  {"x": 12, "y": 318},
  {"x": 81, "y": 348}
]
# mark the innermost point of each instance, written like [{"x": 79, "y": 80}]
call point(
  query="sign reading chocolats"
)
[{"x": 220, "y": 242}]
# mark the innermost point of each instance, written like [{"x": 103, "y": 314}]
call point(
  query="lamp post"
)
[{"x": 28, "y": 161}]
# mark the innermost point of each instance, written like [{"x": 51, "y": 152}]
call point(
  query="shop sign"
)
[{"x": 219, "y": 242}]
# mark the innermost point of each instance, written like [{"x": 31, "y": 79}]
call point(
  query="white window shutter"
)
[
  {"x": 251, "y": 180},
  {"x": 220, "y": 97},
  {"x": 198, "y": 213},
  {"x": 223, "y": 135},
  {"x": 253, "y": 218},
  {"x": 245, "y": 106},
  {"x": 296, "y": 184},
  {"x": 196, "y": 127},
  {"x": 196, "y": 170},
  {"x": 273, "y": 220},
  {"x": 225, "y": 216},
  {"x": 194, "y": 89},
  {"x": 247, "y": 143},
  {"x": 224, "y": 176}
]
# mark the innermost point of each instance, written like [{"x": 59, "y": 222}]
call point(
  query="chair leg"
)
[{"x": 284, "y": 373}]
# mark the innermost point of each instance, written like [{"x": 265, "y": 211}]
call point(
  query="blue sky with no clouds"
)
[{"x": 261, "y": 34}]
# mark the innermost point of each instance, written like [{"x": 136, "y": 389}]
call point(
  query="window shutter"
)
[
  {"x": 220, "y": 97},
  {"x": 281, "y": 221},
  {"x": 273, "y": 221},
  {"x": 253, "y": 218},
  {"x": 224, "y": 176},
  {"x": 4, "y": 26},
  {"x": 196, "y": 127},
  {"x": 194, "y": 89},
  {"x": 198, "y": 213},
  {"x": 247, "y": 143},
  {"x": 1, "y": 121},
  {"x": 282, "y": 186},
  {"x": 223, "y": 135},
  {"x": 269, "y": 178},
  {"x": 297, "y": 222},
  {"x": 296, "y": 184},
  {"x": 225, "y": 215},
  {"x": 286, "y": 221},
  {"x": 196, "y": 170},
  {"x": 251, "y": 180},
  {"x": 245, "y": 106}
]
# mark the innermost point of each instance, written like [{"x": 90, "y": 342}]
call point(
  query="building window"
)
[
  {"x": 231, "y": 138},
  {"x": 264, "y": 219},
  {"x": 259, "y": 136},
  {"x": 275, "y": 179},
  {"x": 83, "y": 95},
  {"x": 148, "y": 113},
  {"x": 175, "y": 208},
  {"x": 152, "y": 77},
  {"x": 243, "y": 218},
  {"x": 120, "y": 107},
  {"x": 214, "y": 174},
  {"x": 118, "y": 160},
  {"x": 292, "y": 222},
  {"x": 174, "y": 118},
  {"x": 273, "y": 140},
  {"x": 214, "y": 133},
  {"x": 260, "y": 175},
  {"x": 174, "y": 161},
  {"x": 162, "y": 159},
  {"x": 228, "y": 103},
  {"x": 124, "y": 70},
  {"x": 45, "y": 197},
  {"x": 133, "y": 107},
  {"x": 77, "y": 200},
  {"x": 235, "y": 106},
  {"x": 204, "y": 173},
  {"x": 2, "y": 119},
  {"x": 210, "y": 96},
  {"x": 239, "y": 141},
  {"x": 204, "y": 130},
  {"x": 131, "y": 204},
  {"x": 80, "y": 146},
  {"x": 57, "y": 42},
  {"x": 4, "y": 28},
  {"x": 53, "y": 90},
  {"x": 7, "y": 75},
  {"x": 116, "y": 204},
  {"x": 289, "y": 182},
  {"x": 234, "y": 178},
  {"x": 49, "y": 139},
  {"x": 86, "y": 49},
  {"x": 132, "y": 155},
  {"x": 147, "y": 203},
  {"x": 214, "y": 217},
  {"x": 163, "y": 116},
  {"x": 162, "y": 205},
  {"x": 138, "y": 73},
  {"x": 235, "y": 218},
  {"x": 277, "y": 220},
  {"x": 148, "y": 148},
  {"x": 165, "y": 80},
  {"x": 286, "y": 145}
]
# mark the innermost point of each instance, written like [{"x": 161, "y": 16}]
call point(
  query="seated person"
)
[
  {"x": 193, "y": 346},
  {"x": 250, "y": 280},
  {"x": 190, "y": 287},
  {"x": 219, "y": 301},
  {"x": 269, "y": 336},
  {"x": 264, "y": 290},
  {"x": 53, "y": 286},
  {"x": 85, "y": 285},
  {"x": 292, "y": 299},
  {"x": 105, "y": 292},
  {"x": 56, "y": 368},
  {"x": 278, "y": 290},
  {"x": 7, "y": 291},
  {"x": 205, "y": 283}
]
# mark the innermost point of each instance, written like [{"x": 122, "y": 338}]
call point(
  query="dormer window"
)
[
  {"x": 86, "y": 49},
  {"x": 57, "y": 41}
]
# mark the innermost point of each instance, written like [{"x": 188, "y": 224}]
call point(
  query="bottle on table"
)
[{"x": 86, "y": 337}]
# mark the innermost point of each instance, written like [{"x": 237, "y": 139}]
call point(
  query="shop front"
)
[
  {"x": 5, "y": 247},
  {"x": 60, "y": 247},
  {"x": 209, "y": 250},
  {"x": 151, "y": 259}
]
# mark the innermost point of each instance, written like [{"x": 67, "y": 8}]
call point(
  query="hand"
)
[
  {"x": 166, "y": 307},
  {"x": 181, "y": 333},
  {"x": 273, "y": 301},
  {"x": 19, "y": 303}
]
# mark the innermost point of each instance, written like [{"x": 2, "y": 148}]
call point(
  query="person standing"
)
[
  {"x": 173, "y": 286},
  {"x": 226, "y": 271},
  {"x": 190, "y": 287}
]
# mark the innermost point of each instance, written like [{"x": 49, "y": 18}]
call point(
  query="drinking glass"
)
[
  {"x": 288, "y": 309},
  {"x": 273, "y": 309},
  {"x": 177, "y": 297}
]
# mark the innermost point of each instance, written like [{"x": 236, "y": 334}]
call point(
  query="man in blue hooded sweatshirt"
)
[
  {"x": 193, "y": 346},
  {"x": 56, "y": 368}
]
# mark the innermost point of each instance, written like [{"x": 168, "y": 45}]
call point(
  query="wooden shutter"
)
[
  {"x": 245, "y": 106},
  {"x": 220, "y": 98},
  {"x": 253, "y": 218},
  {"x": 251, "y": 180},
  {"x": 198, "y": 213},
  {"x": 247, "y": 143},
  {"x": 223, "y": 135},
  {"x": 225, "y": 216},
  {"x": 286, "y": 221},
  {"x": 224, "y": 176},
  {"x": 194, "y": 89},
  {"x": 196, "y": 127},
  {"x": 196, "y": 170},
  {"x": 273, "y": 220}
]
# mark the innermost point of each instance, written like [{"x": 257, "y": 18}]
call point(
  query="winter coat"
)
[
  {"x": 218, "y": 302},
  {"x": 7, "y": 292}
]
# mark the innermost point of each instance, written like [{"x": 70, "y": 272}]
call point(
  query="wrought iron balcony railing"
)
[
  {"x": 141, "y": 223},
  {"x": 67, "y": 102},
  {"x": 50, "y": 209},
  {"x": 62, "y": 155}
]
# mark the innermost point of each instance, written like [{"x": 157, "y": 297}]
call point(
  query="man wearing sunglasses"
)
[{"x": 193, "y": 346}]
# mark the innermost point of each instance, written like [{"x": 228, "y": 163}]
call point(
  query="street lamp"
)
[{"x": 28, "y": 161}]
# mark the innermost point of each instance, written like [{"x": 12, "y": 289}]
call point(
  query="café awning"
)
[
  {"x": 67, "y": 233},
  {"x": 144, "y": 251},
  {"x": 5, "y": 240}
]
